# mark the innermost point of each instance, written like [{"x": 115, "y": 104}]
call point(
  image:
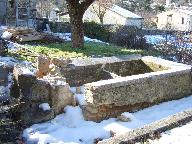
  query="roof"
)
[
  {"x": 123, "y": 12},
  {"x": 188, "y": 12},
  {"x": 179, "y": 10}
]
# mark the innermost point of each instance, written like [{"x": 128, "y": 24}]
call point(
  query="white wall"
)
[
  {"x": 111, "y": 18},
  {"x": 176, "y": 23}
]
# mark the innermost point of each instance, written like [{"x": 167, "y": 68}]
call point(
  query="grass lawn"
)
[{"x": 90, "y": 49}]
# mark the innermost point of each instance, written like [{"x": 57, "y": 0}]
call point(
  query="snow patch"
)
[
  {"x": 70, "y": 127},
  {"x": 26, "y": 71},
  {"x": 6, "y": 35},
  {"x": 128, "y": 116},
  {"x": 45, "y": 107},
  {"x": 180, "y": 135},
  {"x": 67, "y": 37},
  {"x": 8, "y": 61},
  {"x": 80, "y": 99}
]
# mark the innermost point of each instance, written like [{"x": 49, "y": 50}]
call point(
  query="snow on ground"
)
[
  {"x": 67, "y": 37},
  {"x": 8, "y": 61},
  {"x": 70, "y": 127},
  {"x": 160, "y": 39},
  {"x": 180, "y": 135},
  {"x": 45, "y": 107}
]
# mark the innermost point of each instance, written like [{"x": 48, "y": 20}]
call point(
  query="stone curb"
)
[{"x": 151, "y": 130}]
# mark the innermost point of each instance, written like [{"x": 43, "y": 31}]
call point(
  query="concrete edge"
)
[{"x": 151, "y": 130}]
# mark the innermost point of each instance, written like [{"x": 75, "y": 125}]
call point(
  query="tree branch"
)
[{"x": 85, "y": 4}]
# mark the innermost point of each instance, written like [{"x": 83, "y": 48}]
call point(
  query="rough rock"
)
[
  {"x": 42, "y": 66},
  {"x": 3, "y": 75},
  {"x": 40, "y": 91},
  {"x": 33, "y": 91},
  {"x": 2, "y": 49},
  {"x": 60, "y": 96}
]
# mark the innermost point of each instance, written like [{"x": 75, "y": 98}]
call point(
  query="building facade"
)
[
  {"x": 176, "y": 19},
  {"x": 114, "y": 15}
]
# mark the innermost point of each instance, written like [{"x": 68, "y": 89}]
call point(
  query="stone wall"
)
[
  {"x": 151, "y": 131},
  {"x": 32, "y": 92},
  {"x": 110, "y": 98},
  {"x": 82, "y": 71}
]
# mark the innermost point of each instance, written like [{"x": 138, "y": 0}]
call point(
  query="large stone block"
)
[
  {"x": 40, "y": 91},
  {"x": 60, "y": 96},
  {"x": 23, "y": 81},
  {"x": 3, "y": 75},
  {"x": 112, "y": 97},
  {"x": 42, "y": 66},
  {"x": 2, "y": 49}
]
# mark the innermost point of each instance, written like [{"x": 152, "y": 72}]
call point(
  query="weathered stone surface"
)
[
  {"x": 60, "y": 96},
  {"x": 40, "y": 91},
  {"x": 146, "y": 89},
  {"x": 152, "y": 130},
  {"x": 33, "y": 92},
  {"x": 2, "y": 49},
  {"x": 36, "y": 115},
  {"x": 42, "y": 66},
  {"x": 3, "y": 75},
  {"x": 60, "y": 62},
  {"x": 22, "y": 81},
  {"x": 82, "y": 71},
  {"x": 109, "y": 98}
]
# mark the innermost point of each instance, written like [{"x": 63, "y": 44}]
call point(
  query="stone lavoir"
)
[{"x": 112, "y": 85}]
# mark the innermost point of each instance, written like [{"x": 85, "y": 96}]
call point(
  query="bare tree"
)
[
  {"x": 76, "y": 9},
  {"x": 100, "y": 8}
]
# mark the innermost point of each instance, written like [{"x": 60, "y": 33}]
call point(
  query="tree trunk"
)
[
  {"x": 77, "y": 30},
  {"x": 76, "y": 9}
]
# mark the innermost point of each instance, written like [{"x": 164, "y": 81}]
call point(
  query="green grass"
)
[{"x": 90, "y": 49}]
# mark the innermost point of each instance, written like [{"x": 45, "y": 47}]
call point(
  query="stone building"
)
[
  {"x": 176, "y": 19},
  {"x": 114, "y": 15},
  {"x": 17, "y": 12}
]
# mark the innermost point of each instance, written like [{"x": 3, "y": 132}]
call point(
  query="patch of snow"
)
[
  {"x": 128, "y": 115},
  {"x": 180, "y": 135},
  {"x": 8, "y": 61},
  {"x": 3, "y": 89},
  {"x": 67, "y": 37},
  {"x": 80, "y": 99},
  {"x": 55, "y": 80},
  {"x": 6, "y": 35},
  {"x": 70, "y": 127},
  {"x": 27, "y": 71},
  {"x": 73, "y": 89},
  {"x": 10, "y": 81},
  {"x": 11, "y": 46},
  {"x": 45, "y": 107}
]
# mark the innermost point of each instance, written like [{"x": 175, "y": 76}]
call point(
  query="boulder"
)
[
  {"x": 60, "y": 96},
  {"x": 42, "y": 66}
]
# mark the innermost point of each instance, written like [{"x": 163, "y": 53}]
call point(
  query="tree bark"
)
[
  {"x": 76, "y": 11},
  {"x": 77, "y": 31}
]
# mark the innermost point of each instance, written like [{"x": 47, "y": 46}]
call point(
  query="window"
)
[
  {"x": 169, "y": 19},
  {"x": 182, "y": 22}
]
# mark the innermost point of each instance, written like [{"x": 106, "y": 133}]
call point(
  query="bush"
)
[
  {"x": 96, "y": 31},
  {"x": 128, "y": 36}
]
